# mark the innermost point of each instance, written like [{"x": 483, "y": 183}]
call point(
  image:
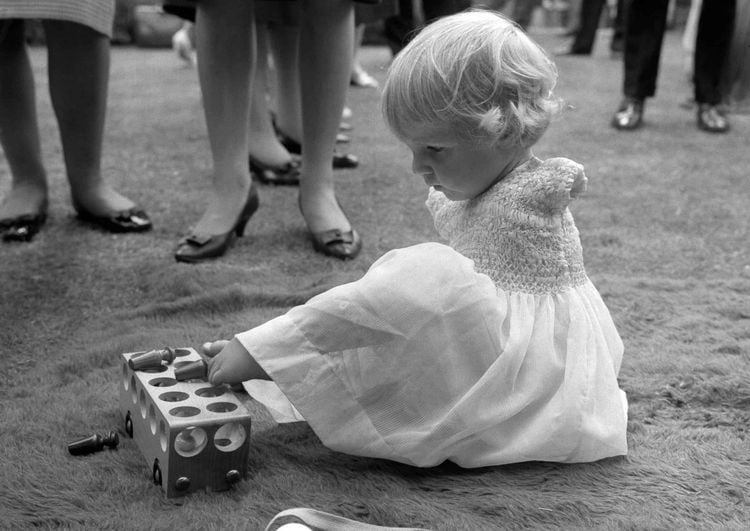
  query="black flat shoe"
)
[
  {"x": 285, "y": 175},
  {"x": 291, "y": 145},
  {"x": 340, "y": 160},
  {"x": 629, "y": 116},
  {"x": 344, "y": 160},
  {"x": 130, "y": 220},
  {"x": 198, "y": 247},
  {"x": 711, "y": 119},
  {"x": 23, "y": 228}
]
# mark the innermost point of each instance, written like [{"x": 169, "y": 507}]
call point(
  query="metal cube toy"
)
[{"x": 193, "y": 435}]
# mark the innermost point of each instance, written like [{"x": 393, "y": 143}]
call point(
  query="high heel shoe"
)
[
  {"x": 23, "y": 228},
  {"x": 285, "y": 175},
  {"x": 344, "y": 245},
  {"x": 339, "y": 161},
  {"x": 131, "y": 220},
  {"x": 198, "y": 247}
]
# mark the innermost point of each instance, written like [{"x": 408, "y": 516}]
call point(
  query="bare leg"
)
[
  {"x": 19, "y": 132},
  {"x": 326, "y": 47},
  {"x": 264, "y": 146},
  {"x": 360, "y": 77},
  {"x": 284, "y": 44},
  {"x": 78, "y": 80},
  {"x": 225, "y": 42}
]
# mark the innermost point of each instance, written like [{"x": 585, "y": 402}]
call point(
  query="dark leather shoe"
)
[
  {"x": 130, "y": 220},
  {"x": 344, "y": 160},
  {"x": 336, "y": 243},
  {"x": 291, "y": 145},
  {"x": 285, "y": 175},
  {"x": 198, "y": 247},
  {"x": 629, "y": 116},
  {"x": 711, "y": 119},
  {"x": 23, "y": 228}
]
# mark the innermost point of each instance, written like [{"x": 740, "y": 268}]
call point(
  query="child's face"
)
[{"x": 459, "y": 168}]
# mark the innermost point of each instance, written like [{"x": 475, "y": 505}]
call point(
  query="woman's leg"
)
[
  {"x": 284, "y": 44},
  {"x": 326, "y": 47},
  {"x": 225, "y": 42},
  {"x": 78, "y": 81},
  {"x": 264, "y": 146},
  {"x": 360, "y": 77},
  {"x": 19, "y": 133}
]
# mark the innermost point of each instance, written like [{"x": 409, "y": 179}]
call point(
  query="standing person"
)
[
  {"x": 645, "y": 23},
  {"x": 77, "y": 35},
  {"x": 584, "y": 37},
  {"x": 523, "y": 11},
  {"x": 495, "y": 349},
  {"x": 401, "y": 28},
  {"x": 226, "y": 49},
  {"x": 736, "y": 79}
]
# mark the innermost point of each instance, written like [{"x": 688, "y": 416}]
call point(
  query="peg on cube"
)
[
  {"x": 152, "y": 359},
  {"x": 195, "y": 370}
]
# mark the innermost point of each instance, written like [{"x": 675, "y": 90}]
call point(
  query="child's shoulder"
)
[
  {"x": 551, "y": 182},
  {"x": 556, "y": 166}
]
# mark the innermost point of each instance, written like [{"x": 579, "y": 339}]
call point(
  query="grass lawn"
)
[{"x": 666, "y": 237}]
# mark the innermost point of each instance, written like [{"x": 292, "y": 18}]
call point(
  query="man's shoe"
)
[
  {"x": 629, "y": 116},
  {"x": 711, "y": 119}
]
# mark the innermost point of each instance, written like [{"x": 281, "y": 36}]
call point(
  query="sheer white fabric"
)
[{"x": 425, "y": 359}]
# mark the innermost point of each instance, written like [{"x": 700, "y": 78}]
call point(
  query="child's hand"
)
[
  {"x": 231, "y": 363},
  {"x": 212, "y": 348}
]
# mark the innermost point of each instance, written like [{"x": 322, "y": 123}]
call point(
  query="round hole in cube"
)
[
  {"x": 143, "y": 403},
  {"x": 190, "y": 441},
  {"x": 179, "y": 352},
  {"x": 152, "y": 419},
  {"x": 162, "y": 382},
  {"x": 221, "y": 407},
  {"x": 163, "y": 436},
  {"x": 184, "y": 411},
  {"x": 208, "y": 392},
  {"x": 230, "y": 436},
  {"x": 160, "y": 368},
  {"x": 173, "y": 396},
  {"x": 133, "y": 389}
]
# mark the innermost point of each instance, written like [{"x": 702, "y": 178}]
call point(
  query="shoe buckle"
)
[{"x": 198, "y": 239}]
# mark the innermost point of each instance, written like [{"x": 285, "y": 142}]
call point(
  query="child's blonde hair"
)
[{"x": 476, "y": 73}]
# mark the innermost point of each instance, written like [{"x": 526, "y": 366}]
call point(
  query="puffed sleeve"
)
[{"x": 550, "y": 188}]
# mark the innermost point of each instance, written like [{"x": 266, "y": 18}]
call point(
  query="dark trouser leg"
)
[
  {"x": 591, "y": 13},
  {"x": 715, "y": 28},
  {"x": 440, "y": 8},
  {"x": 523, "y": 11},
  {"x": 644, "y": 31},
  {"x": 618, "y": 36}
]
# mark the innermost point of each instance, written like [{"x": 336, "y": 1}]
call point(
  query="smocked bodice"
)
[{"x": 520, "y": 232}]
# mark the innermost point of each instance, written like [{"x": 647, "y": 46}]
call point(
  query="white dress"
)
[{"x": 497, "y": 349}]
